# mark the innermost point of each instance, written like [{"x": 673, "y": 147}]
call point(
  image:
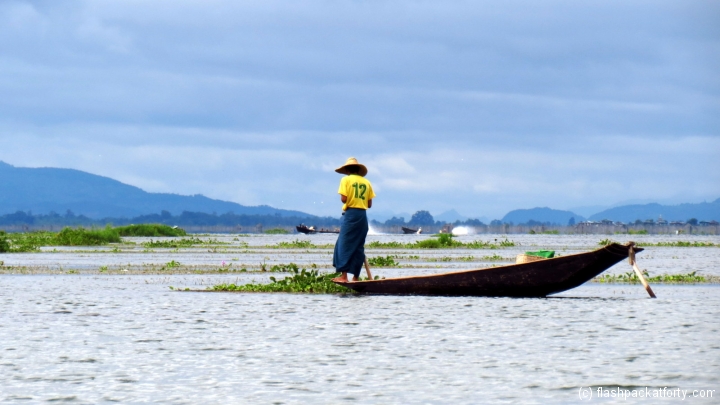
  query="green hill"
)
[
  {"x": 42, "y": 190},
  {"x": 706, "y": 211}
]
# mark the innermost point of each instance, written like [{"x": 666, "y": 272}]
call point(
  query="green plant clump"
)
[
  {"x": 277, "y": 231},
  {"x": 443, "y": 240},
  {"x": 302, "y": 281},
  {"x": 680, "y": 243},
  {"x": 87, "y": 237},
  {"x": 296, "y": 244},
  {"x": 174, "y": 244},
  {"x": 387, "y": 261},
  {"x": 632, "y": 278},
  {"x": 605, "y": 242},
  {"x": 150, "y": 230},
  {"x": 4, "y": 243},
  {"x": 172, "y": 264},
  {"x": 388, "y": 245},
  {"x": 637, "y": 232},
  {"x": 283, "y": 268}
]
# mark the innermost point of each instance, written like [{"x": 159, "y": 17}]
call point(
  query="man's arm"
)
[
  {"x": 343, "y": 198},
  {"x": 369, "y": 203}
]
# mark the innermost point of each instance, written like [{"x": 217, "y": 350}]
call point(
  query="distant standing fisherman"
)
[{"x": 357, "y": 194}]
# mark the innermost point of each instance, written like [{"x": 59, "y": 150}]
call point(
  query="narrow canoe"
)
[
  {"x": 311, "y": 230},
  {"x": 533, "y": 279},
  {"x": 304, "y": 229},
  {"x": 409, "y": 230}
]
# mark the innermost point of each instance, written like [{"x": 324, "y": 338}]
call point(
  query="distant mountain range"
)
[
  {"x": 42, "y": 190},
  {"x": 706, "y": 211},
  {"x": 543, "y": 215}
]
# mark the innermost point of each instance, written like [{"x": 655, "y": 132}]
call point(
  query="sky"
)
[{"x": 478, "y": 106}]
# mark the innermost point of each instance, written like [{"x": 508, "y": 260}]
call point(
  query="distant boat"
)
[
  {"x": 308, "y": 230},
  {"x": 409, "y": 230},
  {"x": 532, "y": 279}
]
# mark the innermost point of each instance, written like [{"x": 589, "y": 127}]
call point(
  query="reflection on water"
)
[{"x": 101, "y": 338}]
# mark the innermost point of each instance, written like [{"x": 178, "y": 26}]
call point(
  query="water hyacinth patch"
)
[
  {"x": 174, "y": 244},
  {"x": 632, "y": 278},
  {"x": 444, "y": 241},
  {"x": 302, "y": 281},
  {"x": 387, "y": 261},
  {"x": 32, "y": 241},
  {"x": 150, "y": 230},
  {"x": 296, "y": 244},
  {"x": 277, "y": 231},
  {"x": 4, "y": 243},
  {"x": 681, "y": 243}
]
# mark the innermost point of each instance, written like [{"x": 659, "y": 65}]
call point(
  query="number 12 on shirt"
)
[{"x": 360, "y": 190}]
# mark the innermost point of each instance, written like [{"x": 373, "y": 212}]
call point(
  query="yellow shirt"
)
[{"x": 358, "y": 191}]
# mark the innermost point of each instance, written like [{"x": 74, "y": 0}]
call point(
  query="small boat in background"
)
[
  {"x": 305, "y": 229},
  {"x": 410, "y": 231},
  {"x": 309, "y": 230},
  {"x": 533, "y": 279}
]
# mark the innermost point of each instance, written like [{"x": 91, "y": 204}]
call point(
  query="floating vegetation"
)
[
  {"x": 150, "y": 230},
  {"x": 32, "y": 241},
  {"x": 440, "y": 259},
  {"x": 551, "y": 232},
  {"x": 296, "y": 244},
  {"x": 4, "y": 243},
  {"x": 284, "y": 268},
  {"x": 388, "y": 245},
  {"x": 681, "y": 243},
  {"x": 632, "y": 278},
  {"x": 493, "y": 257},
  {"x": 678, "y": 243},
  {"x": 172, "y": 264},
  {"x": 443, "y": 240},
  {"x": 637, "y": 232},
  {"x": 277, "y": 231},
  {"x": 179, "y": 243},
  {"x": 302, "y": 281},
  {"x": 86, "y": 237},
  {"x": 387, "y": 261}
]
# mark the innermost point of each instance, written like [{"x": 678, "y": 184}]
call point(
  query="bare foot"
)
[
  {"x": 341, "y": 279},
  {"x": 356, "y": 279}
]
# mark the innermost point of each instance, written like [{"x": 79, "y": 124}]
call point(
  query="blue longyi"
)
[{"x": 349, "y": 253}]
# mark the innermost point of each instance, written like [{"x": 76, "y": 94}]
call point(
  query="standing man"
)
[{"x": 357, "y": 194}]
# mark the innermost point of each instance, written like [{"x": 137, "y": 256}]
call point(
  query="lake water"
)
[{"x": 127, "y": 338}]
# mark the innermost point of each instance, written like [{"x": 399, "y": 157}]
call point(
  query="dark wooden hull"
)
[
  {"x": 408, "y": 230},
  {"x": 308, "y": 231},
  {"x": 305, "y": 230},
  {"x": 534, "y": 279}
]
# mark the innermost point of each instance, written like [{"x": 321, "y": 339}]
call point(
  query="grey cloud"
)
[{"x": 251, "y": 100}]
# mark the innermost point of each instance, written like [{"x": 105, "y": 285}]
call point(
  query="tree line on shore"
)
[
  {"x": 21, "y": 218},
  {"x": 202, "y": 219}
]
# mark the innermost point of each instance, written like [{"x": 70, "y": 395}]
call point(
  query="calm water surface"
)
[{"x": 93, "y": 338}]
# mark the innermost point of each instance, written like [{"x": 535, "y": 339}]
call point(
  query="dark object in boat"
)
[
  {"x": 534, "y": 279},
  {"x": 408, "y": 230},
  {"x": 311, "y": 230}
]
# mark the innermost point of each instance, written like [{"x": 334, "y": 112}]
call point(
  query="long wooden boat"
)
[
  {"x": 533, "y": 279},
  {"x": 304, "y": 229},
  {"x": 311, "y": 230},
  {"x": 409, "y": 230}
]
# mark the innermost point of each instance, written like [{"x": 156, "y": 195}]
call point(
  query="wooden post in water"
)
[{"x": 641, "y": 276}]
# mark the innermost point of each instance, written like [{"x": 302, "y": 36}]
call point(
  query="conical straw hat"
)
[{"x": 352, "y": 162}]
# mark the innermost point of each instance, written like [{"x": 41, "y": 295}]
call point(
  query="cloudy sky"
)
[{"x": 477, "y": 106}]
